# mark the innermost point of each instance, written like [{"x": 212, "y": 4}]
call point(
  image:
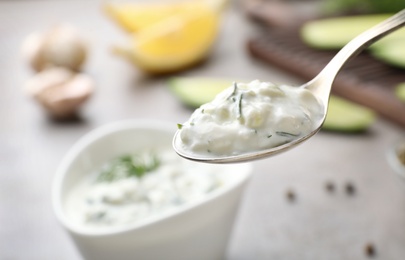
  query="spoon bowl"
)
[{"x": 320, "y": 86}]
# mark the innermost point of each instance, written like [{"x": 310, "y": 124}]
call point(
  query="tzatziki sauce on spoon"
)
[{"x": 249, "y": 117}]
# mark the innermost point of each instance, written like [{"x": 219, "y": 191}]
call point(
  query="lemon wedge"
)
[
  {"x": 133, "y": 17},
  {"x": 176, "y": 42}
]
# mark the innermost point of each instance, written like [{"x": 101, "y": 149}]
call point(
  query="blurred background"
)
[{"x": 334, "y": 197}]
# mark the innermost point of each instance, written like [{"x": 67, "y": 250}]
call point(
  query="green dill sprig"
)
[
  {"x": 286, "y": 134},
  {"x": 240, "y": 114},
  {"x": 128, "y": 166},
  {"x": 235, "y": 89}
]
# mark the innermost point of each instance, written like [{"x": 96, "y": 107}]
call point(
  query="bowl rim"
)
[{"x": 102, "y": 131}]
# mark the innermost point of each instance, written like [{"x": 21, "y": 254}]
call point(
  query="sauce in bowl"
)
[{"x": 136, "y": 187}]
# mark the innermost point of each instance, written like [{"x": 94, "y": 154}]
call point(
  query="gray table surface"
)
[{"x": 317, "y": 225}]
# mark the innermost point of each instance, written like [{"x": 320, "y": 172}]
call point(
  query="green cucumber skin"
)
[
  {"x": 400, "y": 92},
  {"x": 364, "y": 6}
]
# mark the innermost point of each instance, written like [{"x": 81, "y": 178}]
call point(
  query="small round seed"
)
[
  {"x": 290, "y": 195},
  {"x": 329, "y": 186},
  {"x": 350, "y": 188},
  {"x": 369, "y": 250}
]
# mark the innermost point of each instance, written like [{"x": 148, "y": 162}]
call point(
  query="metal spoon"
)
[{"x": 320, "y": 86}]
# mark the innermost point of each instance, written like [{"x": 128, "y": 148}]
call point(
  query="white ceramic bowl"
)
[{"x": 195, "y": 231}]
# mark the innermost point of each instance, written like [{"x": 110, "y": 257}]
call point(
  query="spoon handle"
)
[{"x": 322, "y": 83}]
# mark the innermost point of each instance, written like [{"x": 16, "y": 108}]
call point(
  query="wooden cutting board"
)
[{"x": 363, "y": 79}]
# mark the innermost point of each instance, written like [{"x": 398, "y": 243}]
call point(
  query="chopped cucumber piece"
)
[
  {"x": 194, "y": 92},
  {"x": 345, "y": 116},
  {"x": 400, "y": 91}
]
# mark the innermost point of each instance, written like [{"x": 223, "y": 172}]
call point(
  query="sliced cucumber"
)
[
  {"x": 391, "y": 52},
  {"x": 346, "y": 116},
  {"x": 194, "y": 92},
  {"x": 400, "y": 91},
  {"x": 342, "y": 115},
  {"x": 334, "y": 33}
]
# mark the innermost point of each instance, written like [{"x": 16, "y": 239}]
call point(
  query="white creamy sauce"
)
[
  {"x": 174, "y": 183},
  {"x": 250, "y": 117}
]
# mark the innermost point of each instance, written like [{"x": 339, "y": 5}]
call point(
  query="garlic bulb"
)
[
  {"x": 61, "y": 46},
  {"x": 60, "y": 91}
]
